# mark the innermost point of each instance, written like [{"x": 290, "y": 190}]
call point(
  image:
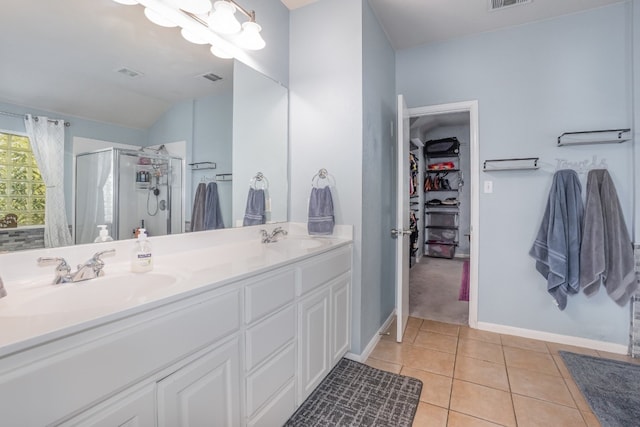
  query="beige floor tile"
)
[
  {"x": 476, "y": 334},
  {"x": 429, "y": 360},
  {"x": 538, "y": 413},
  {"x": 385, "y": 366},
  {"x": 482, "y": 402},
  {"x": 524, "y": 343},
  {"x": 481, "y": 372},
  {"x": 540, "y": 386},
  {"x": 480, "y": 350},
  {"x": 408, "y": 337},
  {"x": 555, "y": 347},
  {"x": 456, "y": 419},
  {"x": 590, "y": 419},
  {"x": 436, "y": 341},
  {"x": 562, "y": 367},
  {"x": 531, "y": 360},
  {"x": 389, "y": 351},
  {"x": 414, "y": 322},
  {"x": 439, "y": 327},
  {"x": 430, "y": 416},
  {"x": 581, "y": 403},
  {"x": 620, "y": 357},
  {"x": 436, "y": 389}
]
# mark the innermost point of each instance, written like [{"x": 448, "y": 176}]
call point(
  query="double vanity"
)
[{"x": 226, "y": 330}]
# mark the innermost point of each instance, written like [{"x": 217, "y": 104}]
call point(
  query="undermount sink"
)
[{"x": 109, "y": 291}]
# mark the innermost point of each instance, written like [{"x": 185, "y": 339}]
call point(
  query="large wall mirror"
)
[{"x": 137, "y": 90}]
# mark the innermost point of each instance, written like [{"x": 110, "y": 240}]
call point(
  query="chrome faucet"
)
[
  {"x": 273, "y": 237},
  {"x": 89, "y": 270}
]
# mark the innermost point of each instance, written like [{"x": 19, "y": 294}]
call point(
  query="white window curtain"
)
[{"x": 47, "y": 142}]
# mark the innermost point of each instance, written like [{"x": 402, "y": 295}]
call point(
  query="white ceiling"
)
[
  {"x": 410, "y": 23},
  {"x": 61, "y": 55}
]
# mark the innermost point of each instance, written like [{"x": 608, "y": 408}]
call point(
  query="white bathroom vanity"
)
[{"x": 225, "y": 331}]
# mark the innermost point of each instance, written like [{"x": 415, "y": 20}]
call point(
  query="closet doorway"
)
[{"x": 444, "y": 204}]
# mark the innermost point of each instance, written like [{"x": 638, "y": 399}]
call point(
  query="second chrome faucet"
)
[
  {"x": 273, "y": 237},
  {"x": 89, "y": 270}
]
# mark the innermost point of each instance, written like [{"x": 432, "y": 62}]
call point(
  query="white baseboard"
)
[
  {"x": 362, "y": 357},
  {"x": 555, "y": 338}
]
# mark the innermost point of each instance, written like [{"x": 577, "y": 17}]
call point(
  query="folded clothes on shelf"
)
[{"x": 441, "y": 166}]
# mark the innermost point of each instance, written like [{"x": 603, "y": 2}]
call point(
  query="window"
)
[{"x": 22, "y": 190}]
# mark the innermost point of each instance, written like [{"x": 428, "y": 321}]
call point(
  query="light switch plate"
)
[{"x": 488, "y": 186}]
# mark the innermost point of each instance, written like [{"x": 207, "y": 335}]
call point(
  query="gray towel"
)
[
  {"x": 212, "y": 212},
  {"x": 606, "y": 256},
  {"x": 556, "y": 248},
  {"x": 321, "y": 217},
  {"x": 254, "y": 212},
  {"x": 197, "y": 214}
]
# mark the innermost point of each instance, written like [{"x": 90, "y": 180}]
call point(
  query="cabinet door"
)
[
  {"x": 127, "y": 409},
  {"x": 206, "y": 392},
  {"x": 314, "y": 342},
  {"x": 340, "y": 318}
]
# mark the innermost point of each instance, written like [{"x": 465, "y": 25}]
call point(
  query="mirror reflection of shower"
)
[{"x": 128, "y": 190}]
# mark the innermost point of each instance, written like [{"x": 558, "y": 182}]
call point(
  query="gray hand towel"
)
[
  {"x": 606, "y": 255},
  {"x": 321, "y": 216},
  {"x": 254, "y": 212},
  {"x": 556, "y": 248},
  {"x": 197, "y": 214},
  {"x": 212, "y": 212}
]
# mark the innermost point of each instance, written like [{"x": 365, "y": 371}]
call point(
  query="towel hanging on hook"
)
[{"x": 320, "y": 176}]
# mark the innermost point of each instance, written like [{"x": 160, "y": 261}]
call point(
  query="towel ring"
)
[
  {"x": 259, "y": 179},
  {"x": 320, "y": 176}
]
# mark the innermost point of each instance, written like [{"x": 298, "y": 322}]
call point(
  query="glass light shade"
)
[
  {"x": 127, "y": 2},
  {"x": 250, "y": 37},
  {"x": 220, "y": 53},
  {"x": 158, "y": 19},
  {"x": 192, "y": 37},
  {"x": 223, "y": 19},
  {"x": 197, "y": 7}
]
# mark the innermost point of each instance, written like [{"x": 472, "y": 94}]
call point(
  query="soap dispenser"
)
[
  {"x": 103, "y": 236},
  {"x": 141, "y": 258}
]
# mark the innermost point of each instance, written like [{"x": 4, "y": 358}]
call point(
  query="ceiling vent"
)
[
  {"x": 212, "y": 77},
  {"x": 503, "y": 4},
  {"x": 129, "y": 72}
]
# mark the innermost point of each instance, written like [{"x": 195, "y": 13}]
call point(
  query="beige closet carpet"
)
[{"x": 434, "y": 286}]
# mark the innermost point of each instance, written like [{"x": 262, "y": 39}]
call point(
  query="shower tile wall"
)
[{"x": 21, "y": 239}]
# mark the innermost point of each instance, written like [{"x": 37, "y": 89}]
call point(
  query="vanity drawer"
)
[
  {"x": 324, "y": 268},
  {"x": 269, "y": 294},
  {"x": 269, "y": 335},
  {"x": 269, "y": 378}
]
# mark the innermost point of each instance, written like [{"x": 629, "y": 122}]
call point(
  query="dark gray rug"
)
[
  {"x": 354, "y": 394},
  {"x": 611, "y": 387}
]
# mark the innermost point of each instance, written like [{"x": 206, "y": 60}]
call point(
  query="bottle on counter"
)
[
  {"x": 141, "y": 258},
  {"x": 103, "y": 235}
]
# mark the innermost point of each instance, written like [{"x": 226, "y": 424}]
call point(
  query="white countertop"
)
[{"x": 35, "y": 311}]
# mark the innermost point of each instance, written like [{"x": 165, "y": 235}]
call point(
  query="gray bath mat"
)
[
  {"x": 354, "y": 394},
  {"x": 611, "y": 387}
]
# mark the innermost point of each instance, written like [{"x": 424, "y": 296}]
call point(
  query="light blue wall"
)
[
  {"x": 326, "y": 116},
  {"x": 378, "y": 172},
  {"x": 79, "y": 128},
  {"x": 534, "y": 82},
  {"x": 273, "y": 60},
  {"x": 212, "y": 142}
]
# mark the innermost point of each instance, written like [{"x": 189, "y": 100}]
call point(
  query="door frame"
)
[{"x": 474, "y": 135}]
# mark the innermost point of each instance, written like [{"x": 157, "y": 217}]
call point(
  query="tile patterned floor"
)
[{"x": 479, "y": 379}]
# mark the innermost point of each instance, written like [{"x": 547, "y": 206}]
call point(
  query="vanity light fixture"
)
[{"x": 204, "y": 23}]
